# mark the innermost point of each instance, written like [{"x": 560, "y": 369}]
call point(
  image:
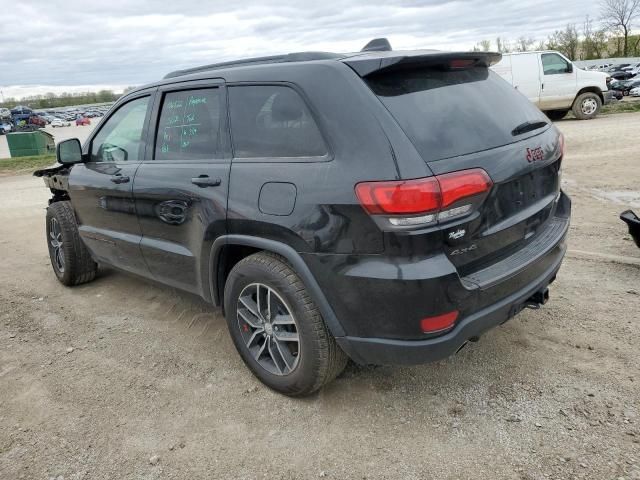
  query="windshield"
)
[{"x": 455, "y": 112}]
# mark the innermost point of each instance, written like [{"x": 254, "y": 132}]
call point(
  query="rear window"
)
[{"x": 451, "y": 113}]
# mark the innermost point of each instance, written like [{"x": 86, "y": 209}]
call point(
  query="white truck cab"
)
[{"x": 555, "y": 84}]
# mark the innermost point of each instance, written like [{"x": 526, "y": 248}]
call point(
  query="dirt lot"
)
[{"x": 123, "y": 379}]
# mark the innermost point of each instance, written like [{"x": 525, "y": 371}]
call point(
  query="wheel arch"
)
[
  {"x": 227, "y": 250},
  {"x": 591, "y": 89}
]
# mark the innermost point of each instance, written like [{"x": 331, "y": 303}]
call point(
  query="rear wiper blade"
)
[{"x": 528, "y": 127}]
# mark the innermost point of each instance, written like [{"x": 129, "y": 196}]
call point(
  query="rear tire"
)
[
  {"x": 587, "y": 106},
  {"x": 556, "y": 114},
  {"x": 69, "y": 257},
  {"x": 266, "y": 302}
]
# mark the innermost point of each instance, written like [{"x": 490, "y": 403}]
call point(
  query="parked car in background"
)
[
  {"x": 82, "y": 121},
  {"x": 625, "y": 87},
  {"x": 37, "y": 120},
  {"x": 58, "y": 122},
  {"x": 550, "y": 80},
  {"x": 621, "y": 75},
  {"x": 635, "y": 92},
  {"x": 5, "y": 114},
  {"x": 342, "y": 227},
  {"x": 5, "y": 127}
]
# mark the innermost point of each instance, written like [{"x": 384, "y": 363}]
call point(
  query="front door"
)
[
  {"x": 101, "y": 189},
  {"x": 181, "y": 189},
  {"x": 558, "y": 82}
]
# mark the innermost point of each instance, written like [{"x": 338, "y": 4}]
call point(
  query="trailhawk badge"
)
[{"x": 457, "y": 234}]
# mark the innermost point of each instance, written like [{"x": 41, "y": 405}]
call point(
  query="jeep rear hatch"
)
[{"x": 463, "y": 118}]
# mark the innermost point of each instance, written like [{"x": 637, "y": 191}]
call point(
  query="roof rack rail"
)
[{"x": 290, "y": 57}]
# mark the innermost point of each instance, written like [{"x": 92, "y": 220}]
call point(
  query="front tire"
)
[
  {"x": 69, "y": 257},
  {"x": 587, "y": 106},
  {"x": 277, "y": 328}
]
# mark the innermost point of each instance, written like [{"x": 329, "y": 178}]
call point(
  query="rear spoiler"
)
[{"x": 366, "y": 64}]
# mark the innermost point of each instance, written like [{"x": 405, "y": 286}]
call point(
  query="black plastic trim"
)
[{"x": 294, "y": 259}]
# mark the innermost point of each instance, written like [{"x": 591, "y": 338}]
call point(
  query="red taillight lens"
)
[
  {"x": 399, "y": 197},
  {"x": 459, "y": 185},
  {"x": 439, "y": 323},
  {"x": 424, "y": 195}
]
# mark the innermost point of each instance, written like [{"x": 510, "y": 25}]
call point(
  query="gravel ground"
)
[{"x": 121, "y": 378}]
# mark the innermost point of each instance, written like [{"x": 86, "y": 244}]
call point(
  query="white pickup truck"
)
[{"x": 555, "y": 84}]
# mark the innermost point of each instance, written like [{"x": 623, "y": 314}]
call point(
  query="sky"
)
[{"x": 80, "y": 45}]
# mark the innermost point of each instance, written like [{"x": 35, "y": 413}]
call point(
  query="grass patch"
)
[
  {"x": 25, "y": 164},
  {"x": 622, "y": 107}
]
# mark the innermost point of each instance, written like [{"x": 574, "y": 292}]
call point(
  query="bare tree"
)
[
  {"x": 523, "y": 44},
  {"x": 618, "y": 16},
  {"x": 594, "y": 44},
  {"x": 485, "y": 45},
  {"x": 502, "y": 45},
  {"x": 565, "y": 41}
]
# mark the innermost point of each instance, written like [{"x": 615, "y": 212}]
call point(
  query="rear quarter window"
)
[
  {"x": 447, "y": 113},
  {"x": 269, "y": 121}
]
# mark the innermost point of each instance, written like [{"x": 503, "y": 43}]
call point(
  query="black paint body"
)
[{"x": 373, "y": 286}]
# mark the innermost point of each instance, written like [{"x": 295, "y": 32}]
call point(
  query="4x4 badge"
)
[{"x": 457, "y": 234}]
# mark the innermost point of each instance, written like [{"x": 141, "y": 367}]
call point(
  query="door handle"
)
[
  {"x": 118, "y": 179},
  {"x": 206, "y": 181}
]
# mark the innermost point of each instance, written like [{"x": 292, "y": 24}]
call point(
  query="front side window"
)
[
  {"x": 189, "y": 126},
  {"x": 120, "y": 138},
  {"x": 272, "y": 121},
  {"x": 554, "y": 64}
]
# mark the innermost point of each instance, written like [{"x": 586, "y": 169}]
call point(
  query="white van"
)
[{"x": 555, "y": 84}]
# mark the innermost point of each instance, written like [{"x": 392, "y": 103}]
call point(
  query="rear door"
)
[
  {"x": 559, "y": 80},
  {"x": 181, "y": 189},
  {"x": 101, "y": 188}
]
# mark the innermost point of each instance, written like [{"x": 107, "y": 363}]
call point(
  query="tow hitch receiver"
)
[{"x": 538, "y": 299}]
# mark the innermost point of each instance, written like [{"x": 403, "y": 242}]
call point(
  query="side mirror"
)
[
  {"x": 570, "y": 68},
  {"x": 69, "y": 152}
]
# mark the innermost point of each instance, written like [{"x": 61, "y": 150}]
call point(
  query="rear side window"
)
[
  {"x": 272, "y": 121},
  {"x": 189, "y": 126},
  {"x": 446, "y": 113}
]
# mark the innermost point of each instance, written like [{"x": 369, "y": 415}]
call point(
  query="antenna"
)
[{"x": 377, "y": 45}]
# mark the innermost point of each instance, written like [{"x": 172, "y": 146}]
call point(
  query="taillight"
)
[{"x": 425, "y": 200}]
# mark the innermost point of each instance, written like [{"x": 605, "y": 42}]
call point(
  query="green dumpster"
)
[{"x": 26, "y": 144}]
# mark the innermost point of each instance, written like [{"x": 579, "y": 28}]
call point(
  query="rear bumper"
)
[
  {"x": 411, "y": 352},
  {"x": 379, "y": 300}
]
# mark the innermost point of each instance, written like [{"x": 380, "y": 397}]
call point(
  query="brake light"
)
[
  {"x": 430, "y": 198},
  {"x": 400, "y": 197},
  {"x": 439, "y": 323},
  {"x": 461, "y": 63},
  {"x": 458, "y": 185}
]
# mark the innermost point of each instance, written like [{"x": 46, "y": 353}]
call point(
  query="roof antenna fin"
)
[{"x": 377, "y": 45}]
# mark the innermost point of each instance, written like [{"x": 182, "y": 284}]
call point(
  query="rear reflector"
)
[
  {"x": 425, "y": 198},
  {"x": 439, "y": 323}
]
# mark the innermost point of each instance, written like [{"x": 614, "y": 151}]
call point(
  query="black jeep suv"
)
[{"x": 383, "y": 206}]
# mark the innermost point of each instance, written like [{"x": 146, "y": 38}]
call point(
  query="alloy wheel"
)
[
  {"x": 55, "y": 240},
  {"x": 268, "y": 329}
]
